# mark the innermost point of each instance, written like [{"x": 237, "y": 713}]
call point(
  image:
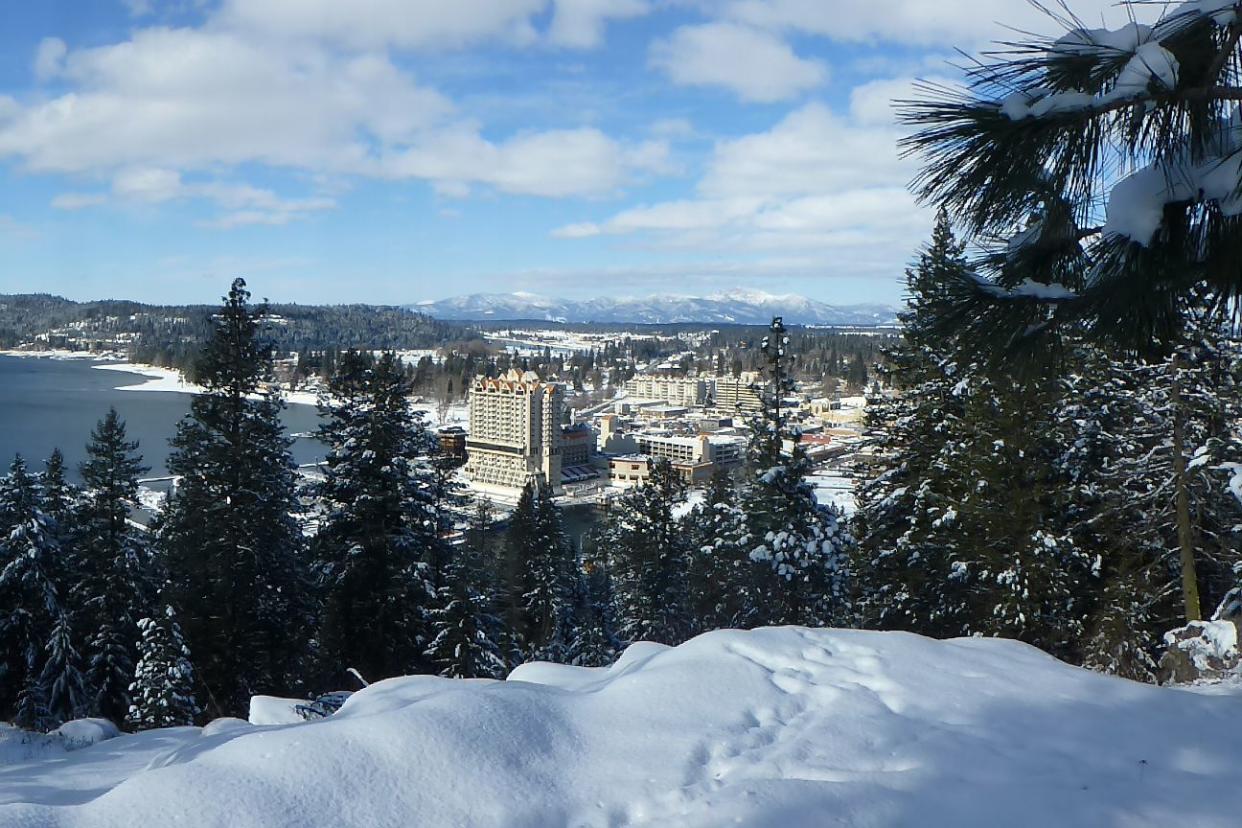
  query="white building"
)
[
  {"x": 739, "y": 395},
  {"x": 683, "y": 391},
  {"x": 515, "y": 431},
  {"x": 695, "y": 459}
]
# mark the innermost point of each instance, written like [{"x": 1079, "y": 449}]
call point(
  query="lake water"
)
[{"x": 53, "y": 403}]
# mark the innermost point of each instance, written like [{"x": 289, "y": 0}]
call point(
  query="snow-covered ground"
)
[
  {"x": 57, "y": 353},
  {"x": 775, "y": 727},
  {"x": 832, "y": 487},
  {"x": 170, "y": 379}
]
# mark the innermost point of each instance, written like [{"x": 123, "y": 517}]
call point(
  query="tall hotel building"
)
[{"x": 515, "y": 431}]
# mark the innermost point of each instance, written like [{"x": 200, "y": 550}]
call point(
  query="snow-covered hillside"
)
[
  {"x": 776, "y": 727},
  {"x": 749, "y": 307}
]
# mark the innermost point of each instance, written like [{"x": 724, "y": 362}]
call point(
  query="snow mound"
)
[
  {"x": 81, "y": 733},
  {"x": 772, "y": 727},
  {"x": 271, "y": 710}
]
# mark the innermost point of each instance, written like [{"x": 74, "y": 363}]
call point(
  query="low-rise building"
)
[
  {"x": 629, "y": 470},
  {"x": 695, "y": 459}
]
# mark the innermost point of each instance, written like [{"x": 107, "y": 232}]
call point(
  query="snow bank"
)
[
  {"x": 774, "y": 727},
  {"x": 171, "y": 380},
  {"x": 272, "y": 710},
  {"x": 81, "y": 733}
]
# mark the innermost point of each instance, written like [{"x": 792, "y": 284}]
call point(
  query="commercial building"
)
[
  {"x": 695, "y": 459},
  {"x": 515, "y": 431},
  {"x": 452, "y": 440},
  {"x": 682, "y": 391},
  {"x": 739, "y": 395},
  {"x": 577, "y": 445},
  {"x": 628, "y": 470}
]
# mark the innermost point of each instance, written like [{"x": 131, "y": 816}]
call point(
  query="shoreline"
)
[
  {"x": 155, "y": 378},
  {"x": 171, "y": 381}
]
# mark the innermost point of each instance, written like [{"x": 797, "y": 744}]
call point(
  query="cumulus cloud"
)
[
  {"x": 78, "y": 201},
  {"x": 185, "y": 98},
  {"x": 171, "y": 101},
  {"x": 380, "y": 24},
  {"x": 811, "y": 150},
  {"x": 49, "y": 58},
  {"x": 552, "y": 163},
  {"x": 815, "y": 183},
  {"x": 754, "y": 64},
  {"x": 580, "y": 23},
  {"x": 243, "y": 203},
  {"x": 963, "y": 23}
]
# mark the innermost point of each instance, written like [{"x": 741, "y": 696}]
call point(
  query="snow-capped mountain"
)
[{"x": 747, "y": 307}]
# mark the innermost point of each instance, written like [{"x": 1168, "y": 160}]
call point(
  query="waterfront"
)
[{"x": 54, "y": 403}]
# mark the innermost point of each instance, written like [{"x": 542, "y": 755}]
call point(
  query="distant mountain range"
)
[{"x": 742, "y": 307}]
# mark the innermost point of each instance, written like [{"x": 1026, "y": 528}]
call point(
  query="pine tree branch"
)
[{"x": 1231, "y": 43}]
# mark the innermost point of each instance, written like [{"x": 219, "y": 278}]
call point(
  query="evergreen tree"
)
[
  {"x": 803, "y": 543},
  {"x": 649, "y": 558},
  {"x": 232, "y": 548},
  {"x": 594, "y": 642},
  {"x": 1150, "y": 438},
  {"x": 163, "y": 687},
  {"x": 60, "y": 498},
  {"x": 519, "y": 539},
  {"x": 112, "y": 564},
  {"x": 466, "y": 632},
  {"x": 379, "y": 554},
  {"x": 905, "y": 560},
  {"x": 969, "y": 526},
  {"x": 30, "y": 605},
  {"x": 62, "y": 685},
  {"x": 59, "y": 495},
  {"x": 1129, "y": 137},
  {"x": 1013, "y": 547},
  {"x": 724, "y": 580},
  {"x": 548, "y": 583}
]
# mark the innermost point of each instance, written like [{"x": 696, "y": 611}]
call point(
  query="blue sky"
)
[{"x": 399, "y": 150}]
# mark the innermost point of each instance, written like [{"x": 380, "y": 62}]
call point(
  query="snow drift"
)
[{"x": 779, "y": 727}]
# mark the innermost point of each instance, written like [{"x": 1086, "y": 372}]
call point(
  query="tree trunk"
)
[{"x": 1190, "y": 581}]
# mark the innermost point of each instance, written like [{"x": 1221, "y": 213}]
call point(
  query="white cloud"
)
[
  {"x": 754, "y": 64},
  {"x": 9, "y": 109},
  {"x": 168, "y": 102},
  {"x": 582, "y": 230},
  {"x": 673, "y": 128},
  {"x": 962, "y": 23},
  {"x": 815, "y": 184},
  {"x": 243, "y": 203},
  {"x": 874, "y": 103},
  {"x": 380, "y": 24},
  {"x": 149, "y": 184},
  {"x": 78, "y": 201},
  {"x": 551, "y": 163},
  {"x": 139, "y": 8},
  {"x": 580, "y": 23},
  {"x": 182, "y": 98},
  {"x": 49, "y": 58},
  {"x": 809, "y": 151}
]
